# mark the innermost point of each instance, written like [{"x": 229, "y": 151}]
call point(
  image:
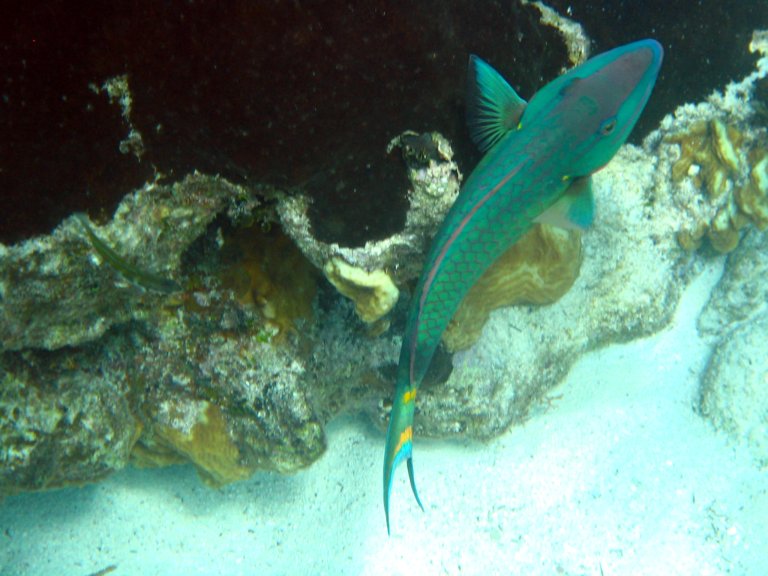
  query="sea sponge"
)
[
  {"x": 538, "y": 269},
  {"x": 374, "y": 293}
]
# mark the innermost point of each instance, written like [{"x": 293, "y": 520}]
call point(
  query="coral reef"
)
[
  {"x": 713, "y": 156},
  {"x": 213, "y": 374},
  {"x": 538, "y": 269},
  {"x": 721, "y": 163},
  {"x": 97, "y": 372},
  {"x": 195, "y": 376},
  {"x": 55, "y": 294},
  {"x": 63, "y": 419},
  {"x": 733, "y": 394}
]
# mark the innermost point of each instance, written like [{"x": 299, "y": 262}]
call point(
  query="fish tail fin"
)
[
  {"x": 413, "y": 484},
  {"x": 400, "y": 443}
]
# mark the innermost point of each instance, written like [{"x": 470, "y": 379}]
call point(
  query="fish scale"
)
[
  {"x": 538, "y": 170},
  {"x": 471, "y": 254}
]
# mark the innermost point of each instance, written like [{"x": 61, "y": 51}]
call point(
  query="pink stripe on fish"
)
[{"x": 441, "y": 257}]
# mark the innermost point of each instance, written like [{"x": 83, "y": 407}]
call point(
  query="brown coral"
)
[
  {"x": 752, "y": 199},
  {"x": 709, "y": 155},
  {"x": 270, "y": 273},
  {"x": 538, "y": 269},
  {"x": 204, "y": 441},
  {"x": 712, "y": 156}
]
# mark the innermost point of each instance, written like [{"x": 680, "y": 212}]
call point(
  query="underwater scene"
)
[{"x": 320, "y": 287}]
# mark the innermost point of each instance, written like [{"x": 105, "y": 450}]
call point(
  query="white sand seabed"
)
[{"x": 618, "y": 476}]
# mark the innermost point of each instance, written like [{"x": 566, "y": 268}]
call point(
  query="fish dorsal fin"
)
[
  {"x": 493, "y": 107},
  {"x": 575, "y": 209}
]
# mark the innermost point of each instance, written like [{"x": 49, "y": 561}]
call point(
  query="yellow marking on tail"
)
[
  {"x": 405, "y": 437},
  {"x": 409, "y": 396}
]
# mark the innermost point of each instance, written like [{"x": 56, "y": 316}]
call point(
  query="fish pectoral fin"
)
[
  {"x": 493, "y": 108},
  {"x": 574, "y": 210}
]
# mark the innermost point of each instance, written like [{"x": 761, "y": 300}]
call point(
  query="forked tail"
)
[{"x": 399, "y": 442}]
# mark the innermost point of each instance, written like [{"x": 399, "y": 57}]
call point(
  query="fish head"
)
[{"x": 594, "y": 107}]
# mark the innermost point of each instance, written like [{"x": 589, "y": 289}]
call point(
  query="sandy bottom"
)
[{"x": 616, "y": 475}]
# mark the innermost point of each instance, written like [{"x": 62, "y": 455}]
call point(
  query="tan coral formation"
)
[
  {"x": 373, "y": 293},
  {"x": 538, "y": 269},
  {"x": 715, "y": 155},
  {"x": 205, "y": 442},
  {"x": 752, "y": 199}
]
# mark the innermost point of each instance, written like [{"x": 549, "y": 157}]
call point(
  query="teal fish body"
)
[{"x": 536, "y": 169}]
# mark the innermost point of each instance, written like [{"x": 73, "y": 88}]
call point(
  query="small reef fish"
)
[
  {"x": 537, "y": 168},
  {"x": 130, "y": 272}
]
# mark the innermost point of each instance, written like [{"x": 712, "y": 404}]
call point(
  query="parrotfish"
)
[{"x": 537, "y": 167}]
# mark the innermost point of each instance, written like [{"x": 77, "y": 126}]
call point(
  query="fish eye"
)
[{"x": 608, "y": 126}]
